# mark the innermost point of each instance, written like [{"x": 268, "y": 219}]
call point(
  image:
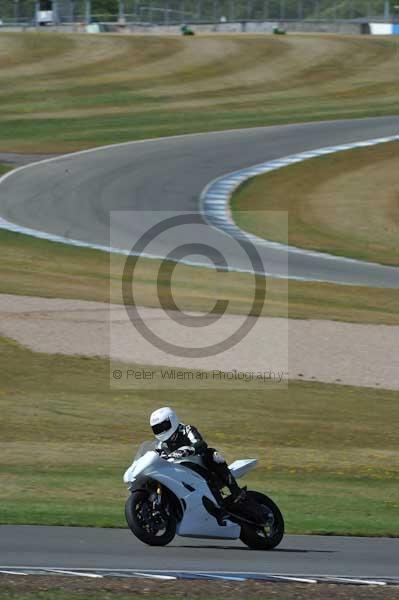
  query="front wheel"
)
[
  {"x": 266, "y": 537},
  {"x": 151, "y": 528}
]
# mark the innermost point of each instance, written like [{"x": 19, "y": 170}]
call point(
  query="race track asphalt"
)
[
  {"x": 78, "y": 547},
  {"x": 73, "y": 196}
]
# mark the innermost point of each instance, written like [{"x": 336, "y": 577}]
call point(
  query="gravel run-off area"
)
[{"x": 327, "y": 351}]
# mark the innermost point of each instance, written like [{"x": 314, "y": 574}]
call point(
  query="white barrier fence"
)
[{"x": 384, "y": 28}]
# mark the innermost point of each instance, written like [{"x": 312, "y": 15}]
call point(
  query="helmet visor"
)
[{"x": 162, "y": 427}]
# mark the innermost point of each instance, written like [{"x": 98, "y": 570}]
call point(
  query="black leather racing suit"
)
[{"x": 190, "y": 439}]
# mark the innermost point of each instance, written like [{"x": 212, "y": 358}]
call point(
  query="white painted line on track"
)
[
  {"x": 219, "y": 214},
  {"x": 165, "y": 575},
  {"x": 358, "y": 581},
  {"x": 226, "y": 577},
  {"x": 78, "y": 574},
  {"x": 290, "y": 578},
  {"x": 155, "y": 576}
]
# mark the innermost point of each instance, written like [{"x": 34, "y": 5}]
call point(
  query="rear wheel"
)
[
  {"x": 155, "y": 528},
  {"x": 268, "y": 536}
]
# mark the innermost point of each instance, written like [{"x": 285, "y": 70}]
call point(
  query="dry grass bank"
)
[
  {"x": 61, "y": 92},
  {"x": 345, "y": 203}
]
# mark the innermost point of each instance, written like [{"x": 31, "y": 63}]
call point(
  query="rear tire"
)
[
  {"x": 259, "y": 538},
  {"x": 133, "y": 513}
]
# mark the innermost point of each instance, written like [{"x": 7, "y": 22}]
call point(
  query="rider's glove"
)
[
  {"x": 181, "y": 453},
  {"x": 176, "y": 454},
  {"x": 161, "y": 453}
]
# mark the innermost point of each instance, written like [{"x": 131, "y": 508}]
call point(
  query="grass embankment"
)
[
  {"x": 67, "y": 92},
  {"x": 34, "y": 267},
  {"x": 328, "y": 454},
  {"x": 70, "y": 588},
  {"x": 4, "y": 168},
  {"x": 345, "y": 203}
]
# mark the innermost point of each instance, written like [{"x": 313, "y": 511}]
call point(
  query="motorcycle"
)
[{"x": 172, "y": 495}]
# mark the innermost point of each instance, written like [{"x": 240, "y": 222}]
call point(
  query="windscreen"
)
[{"x": 145, "y": 447}]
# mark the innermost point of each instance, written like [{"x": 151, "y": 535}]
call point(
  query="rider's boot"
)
[
  {"x": 237, "y": 494},
  {"x": 216, "y": 511}
]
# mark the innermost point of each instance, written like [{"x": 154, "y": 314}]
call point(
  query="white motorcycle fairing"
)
[{"x": 189, "y": 488}]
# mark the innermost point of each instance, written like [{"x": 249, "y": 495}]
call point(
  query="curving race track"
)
[{"x": 72, "y": 196}]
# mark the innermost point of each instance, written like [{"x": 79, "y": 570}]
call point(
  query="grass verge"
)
[
  {"x": 62, "y": 588},
  {"x": 66, "y": 92},
  {"x": 324, "y": 198},
  {"x": 35, "y": 267},
  {"x": 4, "y": 168},
  {"x": 328, "y": 454}
]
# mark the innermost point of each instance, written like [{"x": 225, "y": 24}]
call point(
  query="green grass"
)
[
  {"x": 69, "y": 588},
  {"x": 54, "y": 593},
  {"x": 324, "y": 197},
  {"x": 328, "y": 454},
  {"x": 28, "y": 588},
  {"x": 67, "y": 92},
  {"x": 63, "y": 593},
  {"x": 4, "y": 168},
  {"x": 34, "y": 267}
]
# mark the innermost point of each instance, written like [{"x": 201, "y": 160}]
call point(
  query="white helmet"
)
[{"x": 164, "y": 423}]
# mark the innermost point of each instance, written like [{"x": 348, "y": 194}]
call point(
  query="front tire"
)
[
  {"x": 264, "y": 538},
  {"x": 137, "y": 513}
]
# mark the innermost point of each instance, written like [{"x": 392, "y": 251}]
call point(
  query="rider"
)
[{"x": 185, "y": 440}]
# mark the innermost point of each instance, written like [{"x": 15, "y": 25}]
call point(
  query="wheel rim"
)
[
  {"x": 269, "y": 530},
  {"x": 153, "y": 524}
]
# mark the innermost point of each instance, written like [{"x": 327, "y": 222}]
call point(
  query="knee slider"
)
[{"x": 218, "y": 458}]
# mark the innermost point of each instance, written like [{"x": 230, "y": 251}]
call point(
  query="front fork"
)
[
  {"x": 156, "y": 498},
  {"x": 157, "y": 508},
  {"x": 158, "y": 501}
]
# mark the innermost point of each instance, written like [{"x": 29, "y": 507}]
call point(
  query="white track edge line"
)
[
  {"x": 155, "y": 576},
  {"x": 374, "y": 578},
  {"x": 231, "y": 181},
  {"x": 73, "y": 572},
  {"x": 359, "y": 581}
]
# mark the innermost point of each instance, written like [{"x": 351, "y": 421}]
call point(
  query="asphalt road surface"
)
[
  {"x": 76, "y": 547},
  {"x": 73, "y": 196}
]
